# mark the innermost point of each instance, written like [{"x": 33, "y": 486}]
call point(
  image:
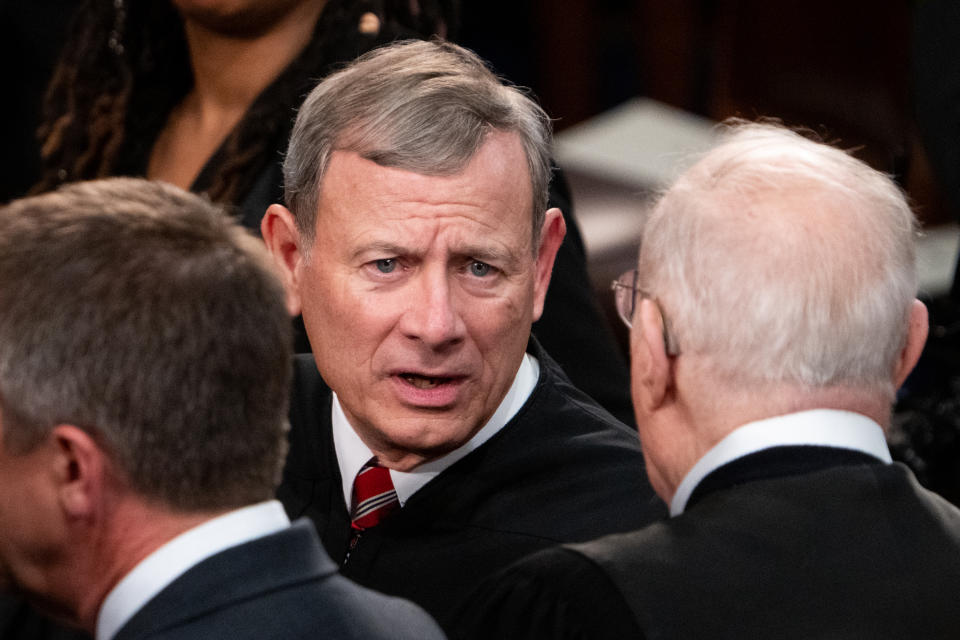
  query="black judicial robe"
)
[
  {"x": 562, "y": 470},
  {"x": 778, "y": 544}
]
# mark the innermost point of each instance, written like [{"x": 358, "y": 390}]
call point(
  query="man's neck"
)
[
  {"x": 709, "y": 410},
  {"x": 155, "y": 573},
  {"x": 825, "y": 430},
  {"x": 124, "y": 542}
]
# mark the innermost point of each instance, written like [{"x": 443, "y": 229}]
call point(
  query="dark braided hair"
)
[{"x": 126, "y": 66}]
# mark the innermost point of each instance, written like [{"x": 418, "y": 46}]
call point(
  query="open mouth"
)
[
  {"x": 432, "y": 392},
  {"x": 423, "y": 382}
]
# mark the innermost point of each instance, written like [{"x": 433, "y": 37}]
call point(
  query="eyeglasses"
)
[{"x": 625, "y": 294}]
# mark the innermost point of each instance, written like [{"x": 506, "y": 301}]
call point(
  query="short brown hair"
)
[{"x": 147, "y": 317}]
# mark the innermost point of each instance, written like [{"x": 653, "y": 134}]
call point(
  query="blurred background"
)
[
  {"x": 880, "y": 78},
  {"x": 858, "y": 73},
  {"x": 635, "y": 87}
]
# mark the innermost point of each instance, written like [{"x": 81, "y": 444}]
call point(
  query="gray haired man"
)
[
  {"x": 144, "y": 372},
  {"x": 419, "y": 247},
  {"x": 773, "y": 316}
]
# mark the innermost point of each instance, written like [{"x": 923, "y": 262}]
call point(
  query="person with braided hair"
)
[{"x": 203, "y": 94}]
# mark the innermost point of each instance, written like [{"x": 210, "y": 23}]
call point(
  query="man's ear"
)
[
  {"x": 282, "y": 237},
  {"x": 551, "y": 236},
  {"x": 919, "y": 326},
  {"x": 650, "y": 370},
  {"x": 79, "y": 469}
]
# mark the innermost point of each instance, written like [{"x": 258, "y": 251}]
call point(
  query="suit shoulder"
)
[
  {"x": 554, "y": 593},
  {"x": 371, "y": 614}
]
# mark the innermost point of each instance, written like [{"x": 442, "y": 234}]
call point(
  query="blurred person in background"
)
[{"x": 203, "y": 93}]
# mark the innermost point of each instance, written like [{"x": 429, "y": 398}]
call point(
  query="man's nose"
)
[{"x": 432, "y": 315}]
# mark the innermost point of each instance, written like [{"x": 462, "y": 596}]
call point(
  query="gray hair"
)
[
  {"x": 147, "y": 317},
  {"x": 784, "y": 260},
  {"x": 420, "y": 106}
]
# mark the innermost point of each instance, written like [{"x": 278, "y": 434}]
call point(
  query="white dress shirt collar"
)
[
  {"x": 352, "y": 453},
  {"x": 819, "y": 427},
  {"x": 173, "y": 559}
]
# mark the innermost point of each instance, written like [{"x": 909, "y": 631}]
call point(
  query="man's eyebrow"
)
[
  {"x": 380, "y": 247},
  {"x": 493, "y": 255}
]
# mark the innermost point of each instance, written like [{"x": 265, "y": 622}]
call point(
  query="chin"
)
[
  {"x": 240, "y": 20},
  {"x": 428, "y": 444}
]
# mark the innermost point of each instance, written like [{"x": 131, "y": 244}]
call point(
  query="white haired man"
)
[{"x": 773, "y": 316}]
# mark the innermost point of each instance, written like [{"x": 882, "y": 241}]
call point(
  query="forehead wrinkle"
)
[
  {"x": 433, "y": 201},
  {"x": 469, "y": 222},
  {"x": 400, "y": 198},
  {"x": 452, "y": 215},
  {"x": 454, "y": 192}
]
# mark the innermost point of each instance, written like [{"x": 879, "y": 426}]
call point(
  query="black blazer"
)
[
  {"x": 279, "y": 586},
  {"x": 849, "y": 549},
  {"x": 562, "y": 470}
]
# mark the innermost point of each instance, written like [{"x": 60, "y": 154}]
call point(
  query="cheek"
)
[
  {"x": 499, "y": 328},
  {"x": 506, "y": 310},
  {"x": 330, "y": 307},
  {"x": 346, "y": 328},
  {"x": 31, "y": 526}
]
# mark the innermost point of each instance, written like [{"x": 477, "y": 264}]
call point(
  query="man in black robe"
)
[
  {"x": 773, "y": 316},
  {"x": 418, "y": 246}
]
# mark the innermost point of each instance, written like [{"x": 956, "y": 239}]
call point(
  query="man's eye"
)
[
  {"x": 480, "y": 269},
  {"x": 386, "y": 265}
]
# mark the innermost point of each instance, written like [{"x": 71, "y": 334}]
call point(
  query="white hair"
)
[{"x": 778, "y": 259}]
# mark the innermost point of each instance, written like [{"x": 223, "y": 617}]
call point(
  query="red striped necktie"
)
[{"x": 374, "y": 497}]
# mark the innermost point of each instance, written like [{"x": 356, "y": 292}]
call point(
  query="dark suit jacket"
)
[
  {"x": 562, "y": 470},
  {"x": 849, "y": 549},
  {"x": 279, "y": 586},
  {"x": 20, "y": 621}
]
